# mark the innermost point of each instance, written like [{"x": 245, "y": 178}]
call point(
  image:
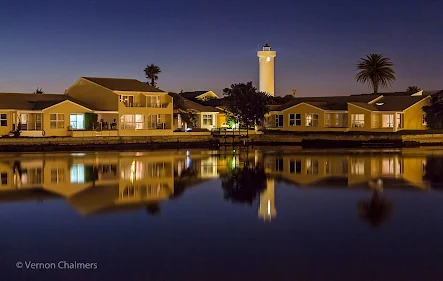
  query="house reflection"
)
[{"x": 95, "y": 183}]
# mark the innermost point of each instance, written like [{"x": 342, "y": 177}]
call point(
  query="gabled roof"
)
[
  {"x": 186, "y": 104},
  {"x": 391, "y": 103},
  {"x": 193, "y": 95},
  {"x": 329, "y": 103},
  {"x": 24, "y": 101},
  {"x": 122, "y": 84}
]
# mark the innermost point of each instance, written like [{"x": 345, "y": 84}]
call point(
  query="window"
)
[
  {"x": 57, "y": 120},
  {"x": 295, "y": 119},
  {"x": 133, "y": 121},
  {"x": 3, "y": 178},
  {"x": 337, "y": 120},
  {"x": 127, "y": 100},
  {"x": 279, "y": 165},
  {"x": 57, "y": 175},
  {"x": 328, "y": 120},
  {"x": 311, "y": 120},
  {"x": 77, "y": 121},
  {"x": 358, "y": 120},
  {"x": 311, "y": 167},
  {"x": 207, "y": 119},
  {"x": 388, "y": 120},
  {"x": 357, "y": 167},
  {"x": 77, "y": 173},
  {"x": 279, "y": 120},
  {"x": 153, "y": 101},
  {"x": 295, "y": 167},
  {"x": 388, "y": 167},
  {"x": 399, "y": 121},
  {"x": 3, "y": 120},
  {"x": 423, "y": 120},
  {"x": 31, "y": 121}
]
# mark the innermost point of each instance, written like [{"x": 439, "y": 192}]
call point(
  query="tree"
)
[
  {"x": 151, "y": 72},
  {"x": 189, "y": 116},
  {"x": 39, "y": 91},
  {"x": 434, "y": 112},
  {"x": 282, "y": 100},
  {"x": 246, "y": 103},
  {"x": 242, "y": 185},
  {"x": 375, "y": 211},
  {"x": 375, "y": 70},
  {"x": 413, "y": 89}
]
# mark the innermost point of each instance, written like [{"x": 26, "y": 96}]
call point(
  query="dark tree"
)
[
  {"x": 152, "y": 71},
  {"x": 246, "y": 103},
  {"x": 282, "y": 100},
  {"x": 39, "y": 91},
  {"x": 413, "y": 89},
  {"x": 434, "y": 171},
  {"x": 434, "y": 112},
  {"x": 375, "y": 211},
  {"x": 243, "y": 185},
  {"x": 189, "y": 116},
  {"x": 375, "y": 70}
]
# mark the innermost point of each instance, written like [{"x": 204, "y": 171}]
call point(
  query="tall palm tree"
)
[
  {"x": 375, "y": 70},
  {"x": 151, "y": 72}
]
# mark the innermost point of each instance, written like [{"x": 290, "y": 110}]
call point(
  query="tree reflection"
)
[
  {"x": 433, "y": 171},
  {"x": 153, "y": 209},
  {"x": 242, "y": 185},
  {"x": 376, "y": 210}
]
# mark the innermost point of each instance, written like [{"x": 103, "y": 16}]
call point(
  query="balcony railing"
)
[{"x": 148, "y": 105}]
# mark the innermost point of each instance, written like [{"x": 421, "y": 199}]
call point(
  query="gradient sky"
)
[{"x": 208, "y": 45}]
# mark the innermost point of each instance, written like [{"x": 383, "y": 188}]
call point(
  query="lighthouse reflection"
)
[{"x": 100, "y": 183}]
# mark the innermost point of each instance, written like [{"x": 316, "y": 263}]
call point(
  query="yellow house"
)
[
  {"x": 126, "y": 106},
  {"x": 38, "y": 115},
  {"x": 387, "y": 112}
]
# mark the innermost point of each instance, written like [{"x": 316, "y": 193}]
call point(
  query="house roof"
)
[
  {"x": 186, "y": 104},
  {"x": 122, "y": 84},
  {"x": 329, "y": 103},
  {"x": 392, "y": 103},
  {"x": 25, "y": 101},
  {"x": 193, "y": 95}
]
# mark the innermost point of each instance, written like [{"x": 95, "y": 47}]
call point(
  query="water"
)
[{"x": 223, "y": 215}]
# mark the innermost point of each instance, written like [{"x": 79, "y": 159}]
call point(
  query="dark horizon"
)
[{"x": 202, "y": 45}]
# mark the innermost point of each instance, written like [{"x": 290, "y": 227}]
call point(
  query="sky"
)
[{"x": 209, "y": 45}]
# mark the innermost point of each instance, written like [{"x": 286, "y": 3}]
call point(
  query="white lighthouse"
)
[{"x": 266, "y": 62}]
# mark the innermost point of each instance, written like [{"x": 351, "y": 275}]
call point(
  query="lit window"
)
[
  {"x": 358, "y": 120},
  {"x": 78, "y": 173},
  {"x": 328, "y": 120},
  {"x": 311, "y": 120},
  {"x": 357, "y": 167},
  {"x": 311, "y": 167},
  {"x": 388, "y": 167},
  {"x": 128, "y": 101},
  {"x": 388, "y": 120},
  {"x": 133, "y": 121},
  {"x": 77, "y": 121},
  {"x": 3, "y": 120},
  {"x": 295, "y": 119},
  {"x": 207, "y": 119},
  {"x": 337, "y": 120},
  {"x": 268, "y": 59},
  {"x": 57, "y": 120}
]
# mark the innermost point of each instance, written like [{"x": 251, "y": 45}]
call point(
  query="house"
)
[
  {"x": 135, "y": 108},
  {"x": 385, "y": 112},
  {"x": 38, "y": 115},
  {"x": 207, "y": 117}
]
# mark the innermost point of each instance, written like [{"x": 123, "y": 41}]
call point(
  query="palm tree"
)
[
  {"x": 375, "y": 70},
  {"x": 376, "y": 210},
  {"x": 151, "y": 72}
]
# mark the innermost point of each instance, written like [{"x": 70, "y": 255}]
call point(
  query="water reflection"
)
[{"x": 108, "y": 182}]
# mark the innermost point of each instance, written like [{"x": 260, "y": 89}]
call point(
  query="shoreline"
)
[{"x": 307, "y": 141}]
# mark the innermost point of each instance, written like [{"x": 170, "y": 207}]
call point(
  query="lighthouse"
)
[{"x": 266, "y": 64}]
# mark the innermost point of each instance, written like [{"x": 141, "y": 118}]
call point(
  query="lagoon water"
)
[{"x": 248, "y": 214}]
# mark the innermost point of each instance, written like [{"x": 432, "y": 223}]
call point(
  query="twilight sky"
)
[{"x": 210, "y": 44}]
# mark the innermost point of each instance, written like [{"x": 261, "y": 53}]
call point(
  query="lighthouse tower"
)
[{"x": 266, "y": 62}]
